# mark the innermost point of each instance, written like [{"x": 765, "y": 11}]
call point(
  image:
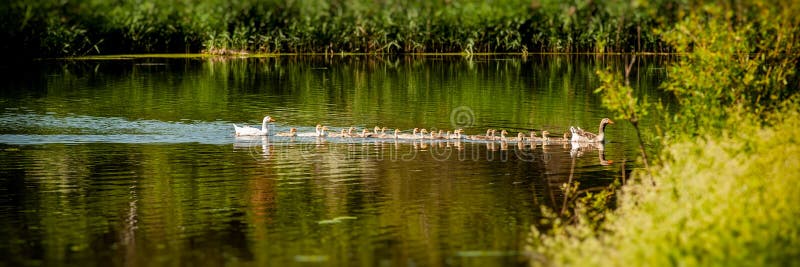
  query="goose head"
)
[
  {"x": 376, "y": 129},
  {"x": 503, "y": 134},
  {"x": 545, "y": 135},
  {"x": 321, "y": 130},
  {"x": 520, "y": 136},
  {"x": 383, "y": 130},
  {"x": 606, "y": 121}
]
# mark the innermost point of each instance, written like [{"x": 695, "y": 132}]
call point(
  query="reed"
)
[{"x": 72, "y": 28}]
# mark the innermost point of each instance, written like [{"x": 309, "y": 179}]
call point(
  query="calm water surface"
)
[{"x": 132, "y": 161}]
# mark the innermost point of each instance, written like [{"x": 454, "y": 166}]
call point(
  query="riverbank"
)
[{"x": 76, "y": 28}]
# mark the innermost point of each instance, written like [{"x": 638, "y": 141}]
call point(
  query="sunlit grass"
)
[{"x": 720, "y": 201}]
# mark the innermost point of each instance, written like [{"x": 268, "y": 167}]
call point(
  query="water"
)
[{"x": 132, "y": 161}]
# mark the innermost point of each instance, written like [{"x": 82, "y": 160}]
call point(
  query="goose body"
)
[
  {"x": 457, "y": 134},
  {"x": 554, "y": 140},
  {"x": 488, "y": 137},
  {"x": 319, "y": 131},
  {"x": 503, "y": 134},
  {"x": 412, "y": 135},
  {"x": 292, "y": 133},
  {"x": 520, "y": 137},
  {"x": 350, "y": 132},
  {"x": 581, "y": 136},
  {"x": 251, "y": 131}
]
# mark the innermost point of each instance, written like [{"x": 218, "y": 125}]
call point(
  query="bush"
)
[
  {"x": 727, "y": 181},
  {"x": 722, "y": 201}
]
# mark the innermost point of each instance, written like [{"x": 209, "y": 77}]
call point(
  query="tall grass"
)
[{"x": 67, "y": 28}]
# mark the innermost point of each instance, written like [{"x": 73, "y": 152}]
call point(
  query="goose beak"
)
[
  {"x": 271, "y": 119},
  {"x": 610, "y": 121}
]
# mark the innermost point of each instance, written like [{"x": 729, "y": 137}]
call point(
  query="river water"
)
[{"x": 132, "y": 161}]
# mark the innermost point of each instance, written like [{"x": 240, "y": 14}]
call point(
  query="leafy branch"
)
[{"x": 618, "y": 97}]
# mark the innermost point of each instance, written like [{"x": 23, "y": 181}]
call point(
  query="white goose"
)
[
  {"x": 250, "y": 131},
  {"x": 579, "y": 135}
]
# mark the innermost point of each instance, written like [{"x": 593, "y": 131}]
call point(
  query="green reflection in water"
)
[{"x": 290, "y": 203}]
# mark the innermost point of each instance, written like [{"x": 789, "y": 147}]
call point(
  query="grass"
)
[{"x": 730, "y": 200}]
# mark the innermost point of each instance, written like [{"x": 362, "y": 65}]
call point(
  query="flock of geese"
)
[{"x": 575, "y": 134}]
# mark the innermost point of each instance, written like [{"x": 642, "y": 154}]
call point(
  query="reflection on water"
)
[{"x": 119, "y": 163}]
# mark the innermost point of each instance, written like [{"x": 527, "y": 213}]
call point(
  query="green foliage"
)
[
  {"x": 68, "y": 28},
  {"x": 720, "y": 201},
  {"x": 734, "y": 59},
  {"x": 619, "y": 98},
  {"x": 727, "y": 197}
]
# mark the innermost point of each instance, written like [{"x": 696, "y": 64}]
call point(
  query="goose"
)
[
  {"x": 457, "y": 133},
  {"x": 292, "y": 133},
  {"x": 422, "y": 133},
  {"x": 350, "y": 132},
  {"x": 434, "y": 135},
  {"x": 412, "y": 135},
  {"x": 555, "y": 140},
  {"x": 396, "y": 132},
  {"x": 488, "y": 137},
  {"x": 503, "y": 134},
  {"x": 365, "y": 134},
  {"x": 319, "y": 131},
  {"x": 579, "y": 135},
  {"x": 520, "y": 137},
  {"x": 545, "y": 136},
  {"x": 250, "y": 131}
]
